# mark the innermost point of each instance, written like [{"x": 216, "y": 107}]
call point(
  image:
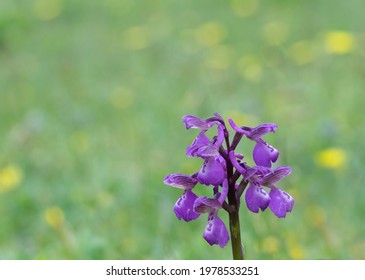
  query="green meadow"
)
[{"x": 92, "y": 95}]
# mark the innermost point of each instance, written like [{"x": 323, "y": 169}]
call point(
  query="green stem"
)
[
  {"x": 234, "y": 226},
  {"x": 234, "y": 220}
]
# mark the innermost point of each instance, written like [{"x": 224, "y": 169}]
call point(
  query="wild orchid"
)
[{"x": 228, "y": 175}]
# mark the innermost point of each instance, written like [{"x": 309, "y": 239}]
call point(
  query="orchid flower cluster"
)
[{"x": 228, "y": 175}]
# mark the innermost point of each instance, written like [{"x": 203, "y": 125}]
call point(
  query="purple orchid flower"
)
[
  {"x": 200, "y": 143},
  {"x": 215, "y": 231},
  {"x": 183, "y": 208},
  {"x": 225, "y": 171},
  {"x": 203, "y": 147},
  {"x": 256, "y": 197},
  {"x": 263, "y": 153}
]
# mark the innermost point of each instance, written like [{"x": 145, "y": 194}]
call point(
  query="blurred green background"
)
[{"x": 92, "y": 95}]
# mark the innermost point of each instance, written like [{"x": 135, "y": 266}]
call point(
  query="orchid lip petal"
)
[
  {"x": 183, "y": 208},
  {"x": 274, "y": 153},
  {"x": 216, "y": 232},
  {"x": 213, "y": 171},
  {"x": 281, "y": 202},
  {"x": 256, "y": 198},
  {"x": 261, "y": 156},
  {"x": 264, "y": 154}
]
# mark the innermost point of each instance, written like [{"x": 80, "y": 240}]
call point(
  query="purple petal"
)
[
  {"x": 184, "y": 206},
  {"x": 243, "y": 130},
  {"x": 207, "y": 151},
  {"x": 203, "y": 124},
  {"x": 239, "y": 156},
  {"x": 249, "y": 173},
  {"x": 215, "y": 119},
  {"x": 204, "y": 205},
  {"x": 257, "y": 132},
  {"x": 194, "y": 122},
  {"x": 220, "y": 138},
  {"x": 260, "y": 155},
  {"x": 256, "y": 198},
  {"x": 200, "y": 142},
  {"x": 213, "y": 172},
  {"x": 281, "y": 202},
  {"x": 276, "y": 175},
  {"x": 224, "y": 192},
  {"x": 274, "y": 153},
  {"x": 219, "y": 117},
  {"x": 259, "y": 171},
  {"x": 216, "y": 231},
  {"x": 264, "y": 154},
  {"x": 180, "y": 181},
  {"x": 235, "y": 163},
  {"x": 254, "y": 133}
]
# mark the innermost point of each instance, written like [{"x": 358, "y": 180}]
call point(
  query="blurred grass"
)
[{"x": 91, "y": 100}]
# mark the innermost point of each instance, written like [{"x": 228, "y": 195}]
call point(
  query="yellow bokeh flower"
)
[
  {"x": 47, "y": 9},
  {"x": 339, "y": 42},
  {"x": 334, "y": 158},
  {"x": 302, "y": 52},
  {"x": 296, "y": 252},
  {"x": 275, "y": 33},
  {"x": 270, "y": 244},
  {"x": 250, "y": 68},
  {"x": 54, "y": 217},
  {"x": 10, "y": 177},
  {"x": 210, "y": 34},
  {"x": 136, "y": 38},
  {"x": 244, "y": 8}
]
